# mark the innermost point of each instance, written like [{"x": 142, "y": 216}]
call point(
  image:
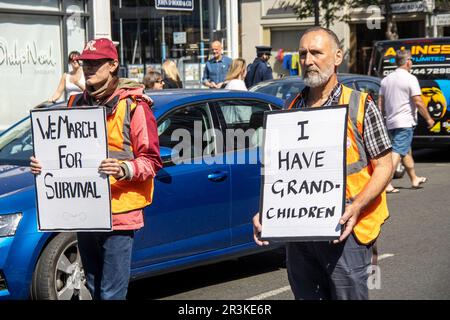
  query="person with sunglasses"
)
[
  {"x": 72, "y": 82},
  {"x": 133, "y": 147},
  {"x": 153, "y": 81}
]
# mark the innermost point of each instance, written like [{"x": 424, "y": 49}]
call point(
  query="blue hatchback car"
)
[{"x": 202, "y": 206}]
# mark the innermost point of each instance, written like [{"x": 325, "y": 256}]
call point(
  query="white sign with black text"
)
[
  {"x": 304, "y": 174},
  {"x": 70, "y": 145}
]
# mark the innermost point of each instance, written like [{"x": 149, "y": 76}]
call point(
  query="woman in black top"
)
[{"x": 172, "y": 79}]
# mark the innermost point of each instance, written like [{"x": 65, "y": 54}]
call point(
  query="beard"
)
[{"x": 313, "y": 77}]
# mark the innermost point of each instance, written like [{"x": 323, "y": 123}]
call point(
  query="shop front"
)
[{"x": 151, "y": 31}]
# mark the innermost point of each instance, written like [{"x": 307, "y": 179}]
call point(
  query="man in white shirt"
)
[{"x": 400, "y": 98}]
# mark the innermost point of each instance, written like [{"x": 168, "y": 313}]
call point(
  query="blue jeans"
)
[
  {"x": 323, "y": 270},
  {"x": 106, "y": 258}
]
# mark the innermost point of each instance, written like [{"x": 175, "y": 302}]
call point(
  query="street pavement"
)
[{"x": 414, "y": 252}]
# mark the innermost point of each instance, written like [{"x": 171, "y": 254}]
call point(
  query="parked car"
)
[
  {"x": 288, "y": 87},
  {"x": 201, "y": 212}
]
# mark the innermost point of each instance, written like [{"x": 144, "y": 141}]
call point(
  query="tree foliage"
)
[{"x": 331, "y": 10}]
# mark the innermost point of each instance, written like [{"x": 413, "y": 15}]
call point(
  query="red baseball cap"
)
[{"x": 101, "y": 48}]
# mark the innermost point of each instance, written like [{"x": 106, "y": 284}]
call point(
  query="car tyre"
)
[{"x": 59, "y": 273}]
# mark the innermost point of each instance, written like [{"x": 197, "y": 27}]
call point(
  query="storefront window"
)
[
  {"x": 50, "y": 5},
  {"x": 34, "y": 44},
  {"x": 30, "y": 63},
  {"x": 138, "y": 26},
  {"x": 76, "y": 25}
]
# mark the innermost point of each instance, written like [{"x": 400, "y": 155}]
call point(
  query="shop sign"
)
[
  {"x": 179, "y": 5},
  {"x": 409, "y": 7},
  {"x": 443, "y": 19}
]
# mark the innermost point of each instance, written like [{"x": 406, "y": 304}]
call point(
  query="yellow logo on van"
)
[
  {"x": 435, "y": 102},
  {"x": 425, "y": 49},
  {"x": 436, "y": 128}
]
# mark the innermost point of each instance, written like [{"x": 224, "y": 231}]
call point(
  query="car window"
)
[
  {"x": 270, "y": 88},
  {"x": 244, "y": 120},
  {"x": 350, "y": 84},
  {"x": 370, "y": 87},
  {"x": 16, "y": 144},
  {"x": 178, "y": 129},
  {"x": 282, "y": 89}
]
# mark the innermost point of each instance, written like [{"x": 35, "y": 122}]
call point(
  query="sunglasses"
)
[
  {"x": 93, "y": 63},
  {"x": 159, "y": 81}
]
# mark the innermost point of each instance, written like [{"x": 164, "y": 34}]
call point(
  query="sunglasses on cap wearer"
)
[
  {"x": 93, "y": 63},
  {"x": 159, "y": 81}
]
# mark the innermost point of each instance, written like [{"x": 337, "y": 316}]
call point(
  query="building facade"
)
[
  {"x": 151, "y": 31},
  {"x": 37, "y": 35},
  {"x": 35, "y": 38},
  {"x": 267, "y": 22}
]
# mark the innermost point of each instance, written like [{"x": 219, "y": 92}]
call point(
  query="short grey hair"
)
[
  {"x": 333, "y": 37},
  {"x": 402, "y": 57}
]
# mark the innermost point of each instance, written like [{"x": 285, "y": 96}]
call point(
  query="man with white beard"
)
[{"x": 340, "y": 269}]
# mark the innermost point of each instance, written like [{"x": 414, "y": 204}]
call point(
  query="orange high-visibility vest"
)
[
  {"x": 125, "y": 195},
  {"x": 359, "y": 168}
]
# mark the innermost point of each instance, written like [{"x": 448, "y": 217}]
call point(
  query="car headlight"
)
[{"x": 9, "y": 223}]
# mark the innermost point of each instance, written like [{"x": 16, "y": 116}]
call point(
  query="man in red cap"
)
[{"x": 134, "y": 161}]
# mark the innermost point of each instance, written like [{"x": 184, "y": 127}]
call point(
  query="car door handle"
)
[{"x": 218, "y": 176}]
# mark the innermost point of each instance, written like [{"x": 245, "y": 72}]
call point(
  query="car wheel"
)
[
  {"x": 59, "y": 273},
  {"x": 399, "y": 171}
]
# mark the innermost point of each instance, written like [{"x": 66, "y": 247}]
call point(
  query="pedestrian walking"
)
[
  {"x": 134, "y": 150},
  {"x": 260, "y": 69},
  {"x": 339, "y": 269},
  {"x": 236, "y": 75},
  {"x": 72, "y": 82},
  {"x": 400, "y": 98},
  {"x": 153, "y": 81},
  {"x": 216, "y": 68},
  {"x": 171, "y": 76}
]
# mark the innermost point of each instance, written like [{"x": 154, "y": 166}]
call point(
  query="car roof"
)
[
  {"x": 164, "y": 100},
  {"x": 342, "y": 77}
]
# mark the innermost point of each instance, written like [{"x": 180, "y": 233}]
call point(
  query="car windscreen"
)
[
  {"x": 280, "y": 89},
  {"x": 430, "y": 57},
  {"x": 16, "y": 144}
]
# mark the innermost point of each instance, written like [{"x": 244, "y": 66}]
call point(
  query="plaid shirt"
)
[{"x": 375, "y": 136}]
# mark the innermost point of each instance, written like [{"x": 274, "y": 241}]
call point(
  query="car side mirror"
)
[{"x": 167, "y": 155}]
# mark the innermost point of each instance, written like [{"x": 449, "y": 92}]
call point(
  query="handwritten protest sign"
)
[
  {"x": 70, "y": 145},
  {"x": 304, "y": 174}
]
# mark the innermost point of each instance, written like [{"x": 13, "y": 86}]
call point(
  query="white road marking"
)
[
  {"x": 268, "y": 294},
  {"x": 384, "y": 256},
  {"x": 275, "y": 292}
]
